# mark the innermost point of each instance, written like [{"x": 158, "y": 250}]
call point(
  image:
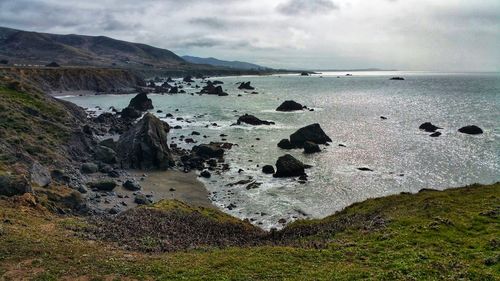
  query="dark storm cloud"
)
[{"x": 297, "y": 7}]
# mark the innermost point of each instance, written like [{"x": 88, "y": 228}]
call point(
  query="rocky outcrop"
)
[
  {"x": 141, "y": 102},
  {"x": 311, "y": 147},
  {"x": 252, "y": 120},
  {"x": 288, "y": 166},
  {"x": 429, "y": 127},
  {"x": 285, "y": 144},
  {"x": 211, "y": 89},
  {"x": 145, "y": 146},
  {"x": 208, "y": 151},
  {"x": 268, "y": 169},
  {"x": 290, "y": 105},
  {"x": 471, "y": 130},
  {"x": 130, "y": 113},
  {"x": 39, "y": 175},
  {"x": 312, "y": 133},
  {"x": 11, "y": 185},
  {"x": 245, "y": 86}
]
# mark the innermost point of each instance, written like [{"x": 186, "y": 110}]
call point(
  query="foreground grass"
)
[{"x": 448, "y": 235}]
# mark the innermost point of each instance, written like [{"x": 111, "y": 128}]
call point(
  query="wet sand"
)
[
  {"x": 186, "y": 187},
  {"x": 158, "y": 185}
]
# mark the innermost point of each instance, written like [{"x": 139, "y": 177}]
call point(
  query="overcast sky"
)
[{"x": 443, "y": 35}]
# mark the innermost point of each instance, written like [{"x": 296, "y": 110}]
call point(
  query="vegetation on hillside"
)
[{"x": 432, "y": 235}]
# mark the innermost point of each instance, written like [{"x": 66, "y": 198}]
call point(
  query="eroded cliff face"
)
[{"x": 99, "y": 80}]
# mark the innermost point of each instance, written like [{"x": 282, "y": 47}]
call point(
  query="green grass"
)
[{"x": 449, "y": 235}]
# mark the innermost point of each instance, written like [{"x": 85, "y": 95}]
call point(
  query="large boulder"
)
[
  {"x": 145, "y": 146},
  {"x": 39, "y": 175},
  {"x": 105, "y": 154},
  {"x": 312, "y": 133},
  {"x": 290, "y": 105},
  {"x": 105, "y": 185},
  {"x": 471, "y": 130},
  {"x": 208, "y": 151},
  {"x": 428, "y": 127},
  {"x": 89, "y": 168},
  {"x": 211, "y": 89},
  {"x": 141, "y": 102},
  {"x": 11, "y": 185},
  {"x": 288, "y": 166},
  {"x": 285, "y": 144},
  {"x": 130, "y": 113},
  {"x": 311, "y": 147},
  {"x": 252, "y": 120}
]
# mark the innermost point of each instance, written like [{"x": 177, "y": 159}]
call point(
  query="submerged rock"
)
[
  {"x": 290, "y": 105},
  {"x": 471, "y": 130},
  {"x": 145, "y": 146},
  {"x": 141, "y": 102},
  {"x": 428, "y": 127},
  {"x": 312, "y": 133},
  {"x": 288, "y": 166},
  {"x": 252, "y": 120}
]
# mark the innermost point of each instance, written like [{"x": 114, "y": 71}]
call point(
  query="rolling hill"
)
[{"x": 223, "y": 63}]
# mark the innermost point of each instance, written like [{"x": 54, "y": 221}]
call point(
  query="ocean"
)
[{"x": 348, "y": 108}]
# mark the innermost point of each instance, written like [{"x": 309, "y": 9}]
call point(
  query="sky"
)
[{"x": 433, "y": 35}]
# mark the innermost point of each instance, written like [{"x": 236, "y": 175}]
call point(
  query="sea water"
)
[{"x": 348, "y": 108}]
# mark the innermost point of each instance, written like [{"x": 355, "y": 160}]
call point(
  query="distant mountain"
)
[
  {"x": 222, "y": 63},
  {"x": 25, "y": 47}
]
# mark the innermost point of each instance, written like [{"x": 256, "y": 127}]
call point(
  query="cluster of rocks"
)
[
  {"x": 431, "y": 128},
  {"x": 290, "y": 105}
]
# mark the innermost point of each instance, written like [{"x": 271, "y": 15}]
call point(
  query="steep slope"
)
[
  {"x": 25, "y": 47},
  {"x": 223, "y": 63}
]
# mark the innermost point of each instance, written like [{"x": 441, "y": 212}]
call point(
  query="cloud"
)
[
  {"x": 395, "y": 34},
  {"x": 302, "y": 7}
]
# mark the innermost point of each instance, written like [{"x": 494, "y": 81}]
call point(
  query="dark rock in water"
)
[
  {"x": 304, "y": 74},
  {"x": 245, "y": 86},
  {"x": 253, "y": 185},
  {"x": 141, "y": 199},
  {"x": 383, "y": 117},
  {"x": 208, "y": 151},
  {"x": 252, "y": 120},
  {"x": 397, "y": 78},
  {"x": 169, "y": 115},
  {"x": 268, "y": 169},
  {"x": 11, "y": 185},
  {"x": 435, "y": 134},
  {"x": 205, "y": 174},
  {"x": 311, "y": 147},
  {"x": 145, "y": 146},
  {"x": 188, "y": 79},
  {"x": 105, "y": 154},
  {"x": 211, "y": 89},
  {"x": 471, "y": 130},
  {"x": 39, "y": 175},
  {"x": 174, "y": 90},
  {"x": 141, "y": 102},
  {"x": 195, "y": 133},
  {"x": 131, "y": 185},
  {"x": 312, "y": 133},
  {"x": 53, "y": 64},
  {"x": 130, "y": 113},
  {"x": 428, "y": 127},
  {"x": 89, "y": 168},
  {"x": 285, "y": 144},
  {"x": 288, "y": 166},
  {"x": 365, "y": 169},
  {"x": 290, "y": 105},
  {"x": 103, "y": 185}
]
